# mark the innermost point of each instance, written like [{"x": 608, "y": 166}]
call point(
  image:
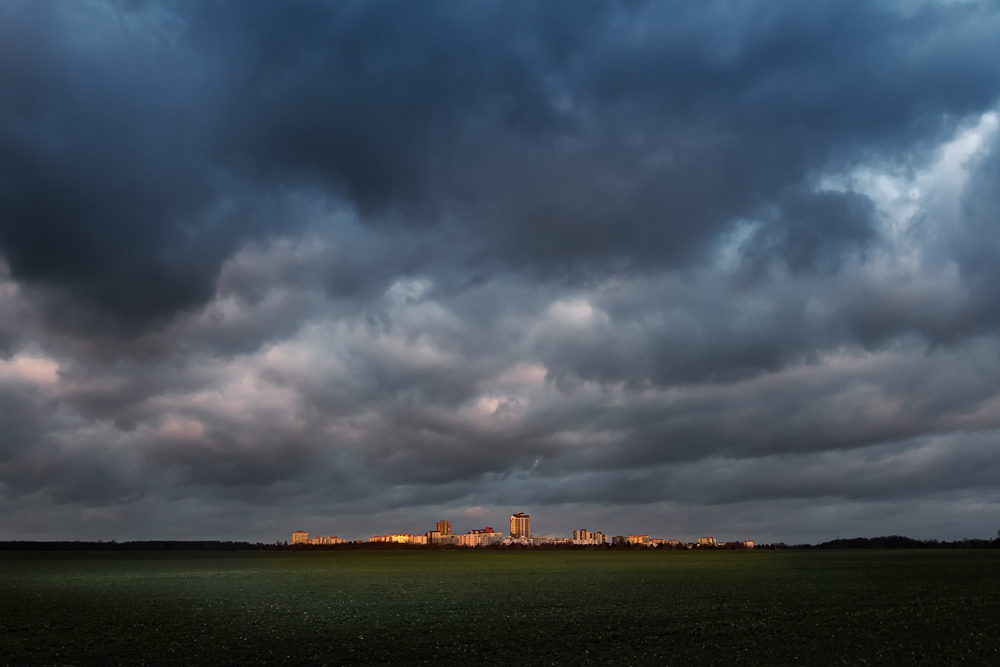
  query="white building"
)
[{"x": 480, "y": 539}]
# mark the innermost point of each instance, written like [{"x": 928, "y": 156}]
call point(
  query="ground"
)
[{"x": 500, "y": 608}]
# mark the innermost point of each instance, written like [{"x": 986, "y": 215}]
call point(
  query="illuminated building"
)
[
  {"x": 479, "y": 539},
  {"x": 706, "y": 540},
  {"x": 444, "y": 527},
  {"x": 399, "y": 538},
  {"x": 584, "y": 536},
  {"x": 302, "y": 537},
  {"x": 520, "y": 525}
]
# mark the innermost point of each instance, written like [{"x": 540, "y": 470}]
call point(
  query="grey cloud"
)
[
  {"x": 558, "y": 142},
  {"x": 814, "y": 232},
  {"x": 391, "y": 260}
]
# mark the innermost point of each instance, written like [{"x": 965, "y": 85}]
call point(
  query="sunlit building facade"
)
[
  {"x": 520, "y": 525},
  {"x": 480, "y": 539},
  {"x": 584, "y": 536},
  {"x": 399, "y": 538},
  {"x": 302, "y": 537}
]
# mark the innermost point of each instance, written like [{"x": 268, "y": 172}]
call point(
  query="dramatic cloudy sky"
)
[{"x": 685, "y": 268}]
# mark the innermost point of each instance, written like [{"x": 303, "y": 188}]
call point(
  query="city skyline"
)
[
  {"x": 721, "y": 268},
  {"x": 520, "y": 535},
  {"x": 519, "y": 528}
]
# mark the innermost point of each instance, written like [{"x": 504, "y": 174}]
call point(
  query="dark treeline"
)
[
  {"x": 214, "y": 545},
  {"x": 884, "y": 542},
  {"x": 144, "y": 545},
  {"x": 891, "y": 542}
]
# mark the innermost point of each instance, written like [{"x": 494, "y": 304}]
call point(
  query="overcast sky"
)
[{"x": 681, "y": 268}]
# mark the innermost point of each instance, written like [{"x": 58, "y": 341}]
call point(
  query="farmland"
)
[{"x": 500, "y": 607}]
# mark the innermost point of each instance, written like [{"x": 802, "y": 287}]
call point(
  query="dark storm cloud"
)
[
  {"x": 376, "y": 257},
  {"x": 142, "y": 145},
  {"x": 814, "y": 232}
]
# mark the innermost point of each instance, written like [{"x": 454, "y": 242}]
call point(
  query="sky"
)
[{"x": 715, "y": 268}]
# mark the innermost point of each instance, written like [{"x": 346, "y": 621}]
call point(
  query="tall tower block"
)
[{"x": 520, "y": 525}]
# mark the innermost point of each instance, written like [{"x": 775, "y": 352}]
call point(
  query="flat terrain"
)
[{"x": 501, "y": 608}]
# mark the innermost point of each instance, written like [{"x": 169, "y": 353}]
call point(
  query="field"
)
[{"x": 501, "y": 608}]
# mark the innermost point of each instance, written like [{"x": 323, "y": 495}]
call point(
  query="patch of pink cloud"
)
[
  {"x": 176, "y": 428},
  {"x": 36, "y": 370}
]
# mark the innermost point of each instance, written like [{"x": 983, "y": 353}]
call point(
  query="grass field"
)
[{"x": 501, "y": 608}]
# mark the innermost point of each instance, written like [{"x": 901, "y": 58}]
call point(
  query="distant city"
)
[{"x": 519, "y": 535}]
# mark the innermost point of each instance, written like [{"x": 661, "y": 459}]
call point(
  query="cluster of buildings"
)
[
  {"x": 520, "y": 534},
  {"x": 302, "y": 537},
  {"x": 442, "y": 535}
]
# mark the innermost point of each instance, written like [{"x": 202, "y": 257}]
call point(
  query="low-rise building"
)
[
  {"x": 480, "y": 539},
  {"x": 399, "y": 538},
  {"x": 584, "y": 536}
]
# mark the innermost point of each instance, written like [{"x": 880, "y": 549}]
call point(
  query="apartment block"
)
[
  {"x": 520, "y": 525},
  {"x": 477, "y": 539},
  {"x": 584, "y": 536}
]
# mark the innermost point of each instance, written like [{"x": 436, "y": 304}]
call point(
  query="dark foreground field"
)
[{"x": 501, "y": 608}]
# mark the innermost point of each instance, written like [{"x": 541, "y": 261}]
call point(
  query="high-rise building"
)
[
  {"x": 444, "y": 527},
  {"x": 584, "y": 536},
  {"x": 520, "y": 525},
  {"x": 300, "y": 537}
]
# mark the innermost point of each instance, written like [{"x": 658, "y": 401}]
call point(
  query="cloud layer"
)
[{"x": 720, "y": 268}]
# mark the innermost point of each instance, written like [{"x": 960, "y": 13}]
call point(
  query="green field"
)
[{"x": 501, "y": 608}]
